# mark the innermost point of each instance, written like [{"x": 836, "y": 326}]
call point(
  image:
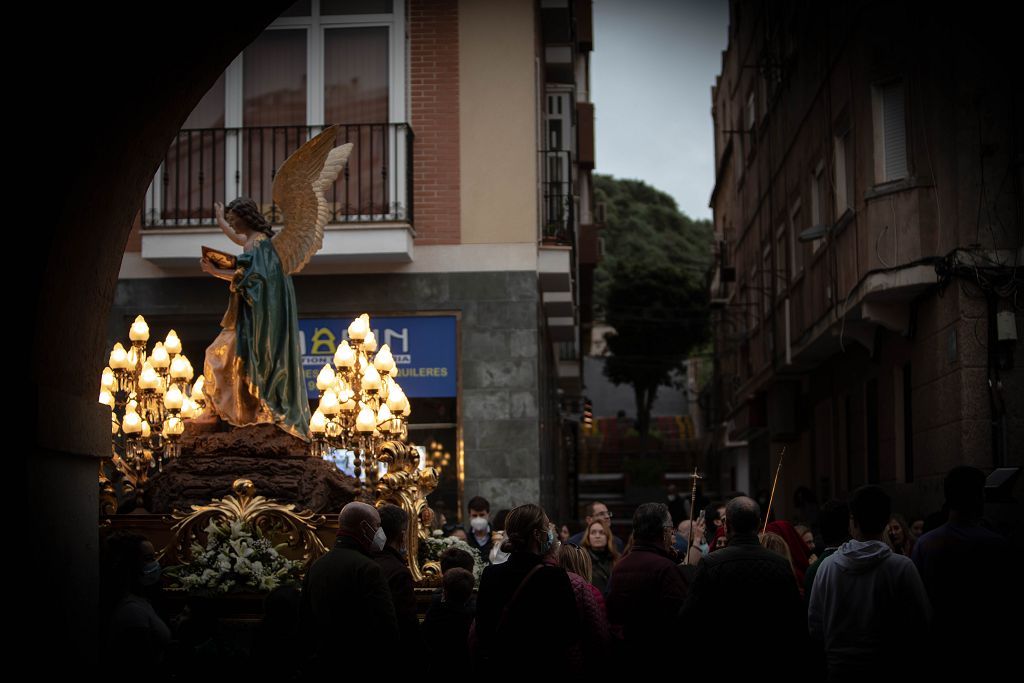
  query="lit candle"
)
[
  {"x": 396, "y": 399},
  {"x": 318, "y": 423},
  {"x": 197, "y": 389},
  {"x": 329, "y": 403},
  {"x": 159, "y": 357},
  {"x": 366, "y": 421},
  {"x": 359, "y": 327},
  {"x": 118, "y": 357},
  {"x": 172, "y": 343},
  {"x": 371, "y": 379},
  {"x": 173, "y": 398},
  {"x": 384, "y": 419},
  {"x": 384, "y": 361},
  {"x": 179, "y": 367},
  {"x": 345, "y": 357},
  {"x": 173, "y": 426},
  {"x": 139, "y": 330},
  {"x": 148, "y": 379},
  {"x": 325, "y": 379}
]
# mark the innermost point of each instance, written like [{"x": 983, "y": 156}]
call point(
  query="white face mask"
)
[
  {"x": 379, "y": 539},
  {"x": 479, "y": 524}
]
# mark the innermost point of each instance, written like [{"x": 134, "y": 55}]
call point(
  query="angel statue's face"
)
[{"x": 238, "y": 224}]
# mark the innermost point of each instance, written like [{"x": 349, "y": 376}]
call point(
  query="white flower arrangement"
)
[
  {"x": 435, "y": 545},
  {"x": 234, "y": 560}
]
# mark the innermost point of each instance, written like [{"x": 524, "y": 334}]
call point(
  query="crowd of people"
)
[{"x": 857, "y": 592}]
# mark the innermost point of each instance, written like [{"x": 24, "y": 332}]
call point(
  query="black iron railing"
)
[
  {"x": 557, "y": 198},
  {"x": 204, "y": 166}
]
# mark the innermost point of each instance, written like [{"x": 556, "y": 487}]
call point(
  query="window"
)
[
  {"x": 749, "y": 123},
  {"x": 741, "y": 157},
  {"x": 843, "y": 160},
  {"x": 890, "y": 131},
  {"x": 766, "y": 280},
  {"x": 796, "y": 247},
  {"x": 781, "y": 271},
  {"x": 320, "y": 62},
  {"x": 818, "y": 195}
]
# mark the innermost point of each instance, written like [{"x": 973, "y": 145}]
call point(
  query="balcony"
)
[
  {"x": 371, "y": 208},
  {"x": 558, "y": 203}
]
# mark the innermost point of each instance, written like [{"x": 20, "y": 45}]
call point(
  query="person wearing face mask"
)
[
  {"x": 345, "y": 596},
  {"x": 479, "y": 526},
  {"x": 526, "y": 619},
  {"x": 394, "y": 521},
  {"x": 131, "y": 576}
]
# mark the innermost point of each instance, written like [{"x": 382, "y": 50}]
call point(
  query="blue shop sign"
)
[{"x": 423, "y": 348}]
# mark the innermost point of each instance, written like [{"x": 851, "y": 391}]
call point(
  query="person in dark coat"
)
[
  {"x": 526, "y": 621},
  {"x": 395, "y": 523},
  {"x": 736, "y": 582},
  {"x": 647, "y": 587},
  {"x": 345, "y": 597},
  {"x": 446, "y": 625},
  {"x": 450, "y": 559},
  {"x": 972, "y": 579}
]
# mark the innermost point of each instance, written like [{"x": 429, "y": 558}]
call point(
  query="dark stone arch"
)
[{"x": 106, "y": 87}]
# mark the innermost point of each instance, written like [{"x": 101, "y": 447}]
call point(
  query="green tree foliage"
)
[{"x": 651, "y": 287}]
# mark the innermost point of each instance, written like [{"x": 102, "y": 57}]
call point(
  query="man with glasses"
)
[
  {"x": 647, "y": 586},
  {"x": 598, "y": 512}
]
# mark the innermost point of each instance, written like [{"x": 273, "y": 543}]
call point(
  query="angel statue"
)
[{"x": 253, "y": 368}]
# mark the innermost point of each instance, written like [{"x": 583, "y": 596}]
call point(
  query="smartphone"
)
[{"x": 700, "y": 517}]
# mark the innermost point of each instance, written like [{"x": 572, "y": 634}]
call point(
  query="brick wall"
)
[{"x": 434, "y": 89}]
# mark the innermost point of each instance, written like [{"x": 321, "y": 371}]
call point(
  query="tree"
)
[{"x": 650, "y": 288}]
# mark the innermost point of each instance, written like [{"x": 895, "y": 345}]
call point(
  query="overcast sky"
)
[{"x": 652, "y": 69}]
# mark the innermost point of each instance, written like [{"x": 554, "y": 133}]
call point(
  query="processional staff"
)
[
  {"x": 693, "y": 504},
  {"x": 778, "y": 469}
]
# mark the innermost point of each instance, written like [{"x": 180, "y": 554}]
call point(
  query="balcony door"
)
[{"x": 322, "y": 62}]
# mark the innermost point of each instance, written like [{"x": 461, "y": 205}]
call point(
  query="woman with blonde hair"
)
[
  {"x": 590, "y": 607},
  {"x": 777, "y": 544},
  {"x": 898, "y": 536},
  {"x": 597, "y": 541}
]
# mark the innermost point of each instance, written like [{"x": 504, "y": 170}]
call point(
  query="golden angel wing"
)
[{"x": 299, "y": 192}]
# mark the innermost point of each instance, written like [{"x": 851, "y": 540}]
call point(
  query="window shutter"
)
[{"x": 894, "y": 121}]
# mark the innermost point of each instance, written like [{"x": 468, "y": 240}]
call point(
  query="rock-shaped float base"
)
[{"x": 214, "y": 455}]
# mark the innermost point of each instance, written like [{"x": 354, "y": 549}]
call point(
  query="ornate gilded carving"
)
[
  {"x": 407, "y": 486},
  {"x": 269, "y": 518}
]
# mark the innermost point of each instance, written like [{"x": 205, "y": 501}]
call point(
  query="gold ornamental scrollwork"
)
[
  {"x": 407, "y": 486},
  {"x": 267, "y": 517}
]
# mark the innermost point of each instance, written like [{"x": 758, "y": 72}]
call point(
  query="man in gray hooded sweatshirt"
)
[{"x": 868, "y": 605}]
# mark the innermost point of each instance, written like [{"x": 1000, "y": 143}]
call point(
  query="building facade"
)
[
  {"x": 462, "y": 223},
  {"x": 868, "y": 217}
]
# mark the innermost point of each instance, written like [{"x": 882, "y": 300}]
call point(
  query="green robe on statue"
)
[{"x": 254, "y": 367}]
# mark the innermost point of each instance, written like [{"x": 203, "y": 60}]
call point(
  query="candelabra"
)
[
  {"x": 361, "y": 404},
  {"x": 145, "y": 388}
]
